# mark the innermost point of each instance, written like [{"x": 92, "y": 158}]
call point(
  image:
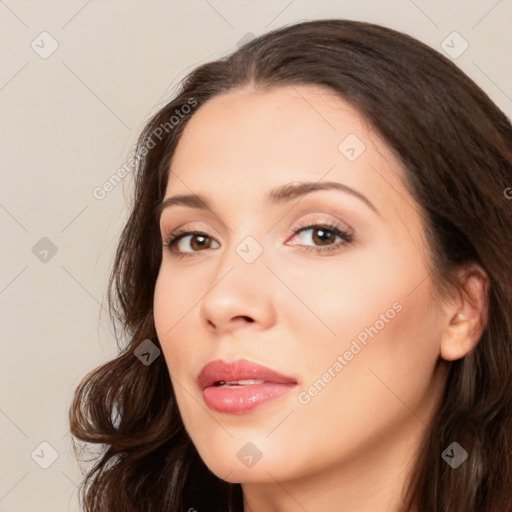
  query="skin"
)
[{"x": 350, "y": 447}]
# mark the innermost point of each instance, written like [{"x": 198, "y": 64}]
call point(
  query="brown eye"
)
[
  {"x": 178, "y": 243},
  {"x": 323, "y": 235},
  {"x": 199, "y": 242}
]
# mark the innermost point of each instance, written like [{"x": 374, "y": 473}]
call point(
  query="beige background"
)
[{"x": 68, "y": 123}]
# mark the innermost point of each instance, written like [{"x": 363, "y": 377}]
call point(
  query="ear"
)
[{"x": 467, "y": 313}]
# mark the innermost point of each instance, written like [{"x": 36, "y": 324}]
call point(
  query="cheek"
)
[
  {"x": 378, "y": 368},
  {"x": 380, "y": 360},
  {"x": 172, "y": 307},
  {"x": 176, "y": 296},
  {"x": 174, "y": 313}
]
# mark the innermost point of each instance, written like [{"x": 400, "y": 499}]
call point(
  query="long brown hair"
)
[{"x": 456, "y": 146}]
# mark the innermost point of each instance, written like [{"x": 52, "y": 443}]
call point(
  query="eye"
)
[
  {"x": 184, "y": 243},
  {"x": 324, "y": 236},
  {"x": 177, "y": 242}
]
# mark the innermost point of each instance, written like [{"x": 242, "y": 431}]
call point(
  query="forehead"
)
[
  {"x": 248, "y": 140},
  {"x": 267, "y": 123}
]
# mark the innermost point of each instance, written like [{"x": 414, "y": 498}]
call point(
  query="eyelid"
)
[
  {"x": 185, "y": 226},
  {"x": 345, "y": 230},
  {"x": 310, "y": 222}
]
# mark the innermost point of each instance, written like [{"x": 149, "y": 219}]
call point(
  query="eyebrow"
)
[{"x": 276, "y": 196}]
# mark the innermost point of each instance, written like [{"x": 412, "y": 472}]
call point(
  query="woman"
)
[{"x": 314, "y": 287}]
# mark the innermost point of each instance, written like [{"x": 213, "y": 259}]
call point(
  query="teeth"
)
[
  {"x": 242, "y": 382},
  {"x": 247, "y": 382}
]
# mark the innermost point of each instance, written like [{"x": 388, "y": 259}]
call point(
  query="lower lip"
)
[{"x": 239, "y": 399}]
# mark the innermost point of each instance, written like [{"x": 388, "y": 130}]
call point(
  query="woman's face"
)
[{"x": 351, "y": 321}]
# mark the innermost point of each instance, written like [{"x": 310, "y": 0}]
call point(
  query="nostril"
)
[{"x": 242, "y": 319}]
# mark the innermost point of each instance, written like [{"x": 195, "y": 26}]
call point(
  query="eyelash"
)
[{"x": 174, "y": 237}]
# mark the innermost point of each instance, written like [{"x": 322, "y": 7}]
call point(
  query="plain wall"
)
[{"x": 68, "y": 122}]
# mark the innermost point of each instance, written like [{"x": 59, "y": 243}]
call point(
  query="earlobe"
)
[{"x": 467, "y": 314}]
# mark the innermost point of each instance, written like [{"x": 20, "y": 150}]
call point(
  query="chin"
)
[{"x": 245, "y": 464}]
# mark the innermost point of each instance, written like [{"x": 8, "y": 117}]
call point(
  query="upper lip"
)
[{"x": 241, "y": 369}]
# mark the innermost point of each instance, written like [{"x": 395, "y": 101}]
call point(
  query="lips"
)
[
  {"x": 240, "y": 386},
  {"x": 236, "y": 372}
]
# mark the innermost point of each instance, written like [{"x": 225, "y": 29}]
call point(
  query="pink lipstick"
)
[{"x": 240, "y": 386}]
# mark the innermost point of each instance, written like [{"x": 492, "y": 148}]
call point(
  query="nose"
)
[{"x": 239, "y": 296}]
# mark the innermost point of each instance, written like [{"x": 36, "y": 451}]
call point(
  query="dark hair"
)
[{"x": 456, "y": 147}]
